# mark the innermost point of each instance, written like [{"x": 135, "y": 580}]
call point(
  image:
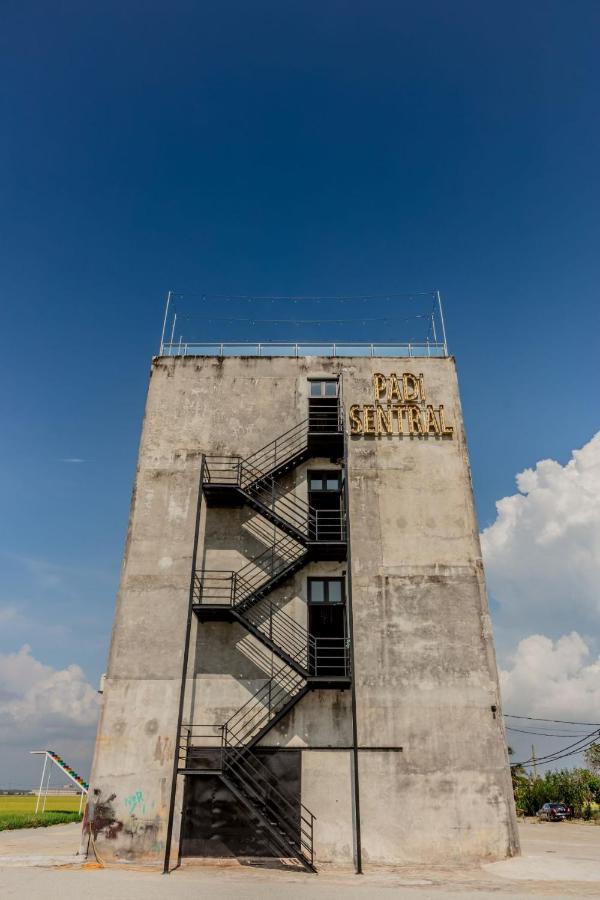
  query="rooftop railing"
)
[{"x": 426, "y": 349}]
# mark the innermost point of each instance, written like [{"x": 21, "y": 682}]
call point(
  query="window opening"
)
[
  {"x": 325, "y": 590},
  {"x": 327, "y": 626},
  {"x": 323, "y": 387},
  {"x": 325, "y": 481}
]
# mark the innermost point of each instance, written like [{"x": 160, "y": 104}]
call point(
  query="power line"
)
[
  {"x": 587, "y": 737},
  {"x": 586, "y": 741},
  {"x": 558, "y": 721},
  {"x": 558, "y": 756},
  {"x": 564, "y": 734}
]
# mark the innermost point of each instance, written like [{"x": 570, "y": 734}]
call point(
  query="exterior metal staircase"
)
[
  {"x": 320, "y": 433},
  {"x": 226, "y": 750},
  {"x": 230, "y": 481},
  {"x": 243, "y": 596}
]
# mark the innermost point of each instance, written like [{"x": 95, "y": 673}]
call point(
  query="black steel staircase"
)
[
  {"x": 324, "y": 662},
  {"x": 228, "y": 481},
  {"x": 320, "y": 434},
  {"x": 288, "y": 824},
  {"x": 242, "y": 596}
]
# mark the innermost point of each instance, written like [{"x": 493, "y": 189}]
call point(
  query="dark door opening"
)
[
  {"x": 325, "y": 498},
  {"x": 216, "y": 823},
  {"x": 323, "y": 405},
  {"x": 327, "y": 626}
]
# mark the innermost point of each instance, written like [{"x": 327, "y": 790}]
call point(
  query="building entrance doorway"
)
[
  {"x": 328, "y": 654},
  {"x": 325, "y": 498},
  {"x": 323, "y": 405}
]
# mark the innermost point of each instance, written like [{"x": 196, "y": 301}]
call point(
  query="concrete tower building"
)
[{"x": 302, "y": 662}]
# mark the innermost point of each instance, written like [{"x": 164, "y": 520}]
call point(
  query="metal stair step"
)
[{"x": 278, "y": 835}]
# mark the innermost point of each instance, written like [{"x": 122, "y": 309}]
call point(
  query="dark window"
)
[
  {"x": 325, "y": 590},
  {"x": 324, "y": 481},
  {"x": 324, "y": 388}
]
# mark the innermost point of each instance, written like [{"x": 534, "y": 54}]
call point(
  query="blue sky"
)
[{"x": 268, "y": 148}]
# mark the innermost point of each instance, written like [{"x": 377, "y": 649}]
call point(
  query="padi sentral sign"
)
[{"x": 400, "y": 406}]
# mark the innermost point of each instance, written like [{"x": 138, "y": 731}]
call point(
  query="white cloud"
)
[
  {"x": 553, "y": 679},
  {"x": 542, "y": 554},
  {"x": 9, "y": 615},
  {"x": 71, "y": 459},
  {"x": 542, "y": 560},
  {"x": 556, "y": 680},
  {"x": 38, "y": 702}
]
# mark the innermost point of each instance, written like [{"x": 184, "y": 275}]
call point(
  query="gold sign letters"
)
[{"x": 400, "y": 407}]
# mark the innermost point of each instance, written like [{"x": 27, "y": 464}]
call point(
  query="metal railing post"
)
[
  {"x": 443, "y": 324},
  {"x": 162, "y": 337}
]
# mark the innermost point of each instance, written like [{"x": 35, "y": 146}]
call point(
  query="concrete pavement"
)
[{"x": 559, "y": 860}]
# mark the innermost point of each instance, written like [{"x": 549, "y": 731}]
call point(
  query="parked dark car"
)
[{"x": 553, "y": 812}]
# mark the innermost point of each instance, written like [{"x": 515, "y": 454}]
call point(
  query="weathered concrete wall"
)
[
  {"x": 425, "y": 670},
  {"x": 132, "y": 769},
  {"x": 327, "y": 792}
]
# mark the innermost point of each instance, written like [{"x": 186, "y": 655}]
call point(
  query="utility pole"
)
[{"x": 535, "y": 774}]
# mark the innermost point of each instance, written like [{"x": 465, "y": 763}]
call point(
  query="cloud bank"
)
[
  {"x": 542, "y": 554},
  {"x": 43, "y": 708},
  {"x": 553, "y": 679},
  {"x": 542, "y": 559}
]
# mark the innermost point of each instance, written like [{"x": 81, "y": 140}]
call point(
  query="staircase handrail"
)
[
  {"x": 270, "y": 797},
  {"x": 255, "y": 574},
  {"x": 311, "y": 523},
  {"x": 283, "y": 448},
  {"x": 283, "y": 631},
  {"x": 247, "y": 721},
  {"x": 244, "y": 767},
  {"x": 266, "y": 484},
  {"x": 293, "y": 441},
  {"x": 315, "y": 524},
  {"x": 272, "y": 561}
]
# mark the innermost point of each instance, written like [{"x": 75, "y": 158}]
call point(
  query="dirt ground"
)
[{"x": 559, "y": 860}]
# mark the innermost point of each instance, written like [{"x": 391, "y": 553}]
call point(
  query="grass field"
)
[{"x": 19, "y": 811}]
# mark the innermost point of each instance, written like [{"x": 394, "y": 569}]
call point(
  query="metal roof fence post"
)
[
  {"x": 439, "y": 300},
  {"x": 162, "y": 337}
]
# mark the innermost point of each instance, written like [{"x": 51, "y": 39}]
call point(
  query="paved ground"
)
[{"x": 559, "y": 860}]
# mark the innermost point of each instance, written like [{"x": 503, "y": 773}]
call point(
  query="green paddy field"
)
[{"x": 18, "y": 811}]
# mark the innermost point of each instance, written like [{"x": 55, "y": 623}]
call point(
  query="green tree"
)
[
  {"x": 592, "y": 758},
  {"x": 575, "y": 787},
  {"x": 517, "y": 773}
]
